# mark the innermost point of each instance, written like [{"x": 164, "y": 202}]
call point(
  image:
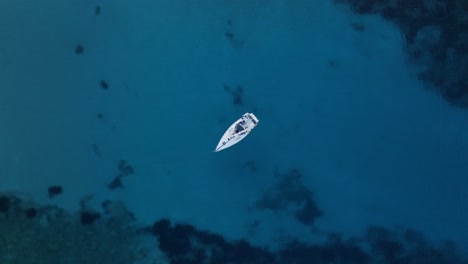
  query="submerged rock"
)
[
  {"x": 237, "y": 94},
  {"x": 31, "y": 212},
  {"x": 4, "y": 204},
  {"x": 104, "y": 85},
  {"x": 54, "y": 191},
  {"x": 79, "y": 49},
  {"x": 88, "y": 218},
  {"x": 97, "y": 10},
  {"x": 115, "y": 183},
  {"x": 124, "y": 170}
]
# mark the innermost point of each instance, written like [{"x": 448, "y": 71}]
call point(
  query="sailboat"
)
[{"x": 237, "y": 131}]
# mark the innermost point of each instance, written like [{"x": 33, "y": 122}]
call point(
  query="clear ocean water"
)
[{"x": 110, "y": 112}]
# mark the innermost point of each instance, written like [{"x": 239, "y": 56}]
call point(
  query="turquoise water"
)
[{"x": 338, "y": 104}]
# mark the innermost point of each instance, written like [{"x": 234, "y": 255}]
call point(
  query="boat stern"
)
[{"x": 252, "y": 117}]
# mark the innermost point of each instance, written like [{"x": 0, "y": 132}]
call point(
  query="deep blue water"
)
[{"x": 361, "y": 152}]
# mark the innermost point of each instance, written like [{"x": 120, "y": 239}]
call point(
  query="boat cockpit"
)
[{"x": 239, "y": 128}]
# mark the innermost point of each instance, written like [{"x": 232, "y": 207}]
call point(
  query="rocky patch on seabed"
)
[
  {"x": 32, "y": 233},
  {"x": 436, "y": 35}
]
